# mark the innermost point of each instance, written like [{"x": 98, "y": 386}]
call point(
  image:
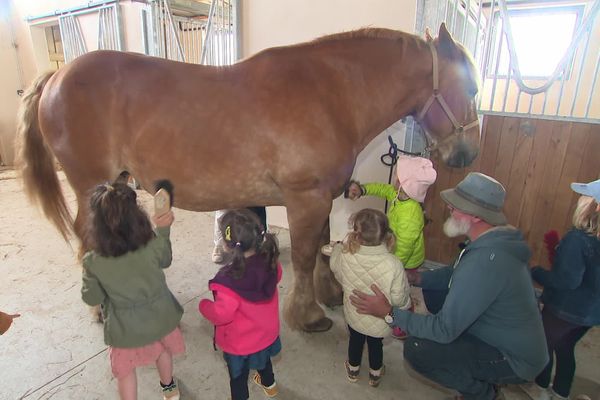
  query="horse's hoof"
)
[{"x": 322, "y": 325}]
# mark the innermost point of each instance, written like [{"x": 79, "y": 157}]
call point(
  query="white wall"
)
[{"x": 268, "y": 23}]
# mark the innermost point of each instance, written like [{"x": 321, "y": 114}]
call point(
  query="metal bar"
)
[
  {"x": 545, "y": 101},
  {"x": 174, "y": 39},
  {"x": 477, "y": 25},
  {"x": 101, "y": 30},
  {"x": 518, "y": 100},
  {"x": 230, "y": 54},
  {"x": 487, "y": 49},
  {"x": 465, "y": 24},
  {"x": 562, "y": 86},
  {"x": 454, "y": 15},
  {"x": 582, "y": 63},
  {"x": 508, "y": 76},
  {"x": 592, "y": 86},
  {"x": 118, "y": 27},
  {"x": 530, "y": 103},
  {"x": 237, "y": 27},
  {"x": 495, "y": 80},
  {"x": 438, "y": 18},
  {"x": 207, "y": 41}
]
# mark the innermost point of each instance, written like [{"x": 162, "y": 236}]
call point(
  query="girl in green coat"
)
[{"x": 124, "y": 274}]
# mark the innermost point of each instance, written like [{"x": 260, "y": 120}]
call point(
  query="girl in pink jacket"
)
[{"x": 245, "y": 310}]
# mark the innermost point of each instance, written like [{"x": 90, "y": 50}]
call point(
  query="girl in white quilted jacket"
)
[{"x": 365, "y": 259}]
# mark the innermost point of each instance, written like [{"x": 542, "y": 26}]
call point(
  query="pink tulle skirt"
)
[{"x": 124, "y": 361}]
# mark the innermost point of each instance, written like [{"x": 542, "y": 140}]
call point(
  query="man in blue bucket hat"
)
[{"x": 488, "y": 331}]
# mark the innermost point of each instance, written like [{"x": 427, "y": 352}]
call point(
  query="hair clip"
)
[
  {"x": 228, "y": 233},
  {"x": 109, "y": 187},
  {"x": 238, "y": 244}
]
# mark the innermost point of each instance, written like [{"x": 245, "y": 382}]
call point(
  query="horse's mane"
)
[{"x": 379, "y": 33}]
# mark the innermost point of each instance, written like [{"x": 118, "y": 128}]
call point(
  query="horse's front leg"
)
[
  {"x": 307, "y": 213},
  {"x": 328, "y": 290}
]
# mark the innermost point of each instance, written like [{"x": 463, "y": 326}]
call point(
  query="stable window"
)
[{"x": 541, "y": 38}]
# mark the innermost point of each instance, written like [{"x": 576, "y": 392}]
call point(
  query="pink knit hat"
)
[{"x": 415, "y": 174}]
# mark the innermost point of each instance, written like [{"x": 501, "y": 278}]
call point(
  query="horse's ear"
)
[
  {"x": 446, "y": 44},
  {"x": 428, "y": 36}
]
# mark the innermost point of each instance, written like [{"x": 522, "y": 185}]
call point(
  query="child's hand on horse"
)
[
  {"x": 354, "y": 190},
  {"x": 163, "y": 220}
]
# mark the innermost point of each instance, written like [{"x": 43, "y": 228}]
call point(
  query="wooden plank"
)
[
  {"x": 560, "y": 217},
  {"x": 590, "y": 170},
  {"x": 489, "y": 148},
  {"x": 519, "y": 169},
  {"x": 436, "y": 211},
  {"x": 535, "y": 174},
  {"x": 557, "y": 148},
  {"x": 506, "y": 150}
]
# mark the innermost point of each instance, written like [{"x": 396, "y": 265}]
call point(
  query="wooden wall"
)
[{"x": 535, "y": 160}]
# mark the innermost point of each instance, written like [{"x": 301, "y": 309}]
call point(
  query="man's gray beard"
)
[{"x": 454, "y": 227}]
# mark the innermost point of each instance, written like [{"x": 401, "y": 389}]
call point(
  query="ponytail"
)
[{"x": 270, "y": 250}]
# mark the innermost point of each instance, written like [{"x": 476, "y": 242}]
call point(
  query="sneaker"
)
[
  {"x": 270, "y": 391},
  {"x": 399, "y": 334},
  {"x": 352, "y": 374},
  {"x": 375, "y": 379},
  {"x": 535, "y": 392},
  {"x": 171, "y": 392},
  {"x": 217, "y": 254}
]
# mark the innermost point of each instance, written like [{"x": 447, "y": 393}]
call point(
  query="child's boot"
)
[
  {"x": 375, "y": 376},
  {"x": 170, "y": 391},
  {"x": 352, "y": 371},
  {"x": 270, "y": 391}
]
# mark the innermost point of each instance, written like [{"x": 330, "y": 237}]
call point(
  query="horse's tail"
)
[{"x": 36, "y": 162}]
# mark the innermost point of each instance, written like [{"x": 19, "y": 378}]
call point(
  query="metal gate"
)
[
  {"x": 210, "y": 41},
  {"x": 109, "y": 29},
  {"x": 538, "y": 135},
  {"x": 486, "y": 29}
]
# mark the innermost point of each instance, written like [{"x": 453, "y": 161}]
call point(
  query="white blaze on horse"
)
[{"x": 283, "y": 127}]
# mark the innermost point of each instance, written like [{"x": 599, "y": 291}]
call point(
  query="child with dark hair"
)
[
  {"x": 123, "y": 273},
  {"x": 245, "y": 310},
  {"x": 363, "y": 260}
]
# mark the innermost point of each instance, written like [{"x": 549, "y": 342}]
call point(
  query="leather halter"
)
[{"x": 436, "y": 95}]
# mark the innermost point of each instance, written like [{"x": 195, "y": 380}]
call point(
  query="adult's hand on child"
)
[
  {"x": 6, "y": 321},
  {"x": 164, "y": 220},
  {"x": 376, "y": 304}
]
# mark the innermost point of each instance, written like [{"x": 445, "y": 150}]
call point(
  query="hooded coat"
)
[
  {"x": 245, "y": 311},
  {"x": 491, "y": 297}
]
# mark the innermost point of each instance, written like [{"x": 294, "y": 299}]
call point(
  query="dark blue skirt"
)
[{"x": 256, "y": 361}]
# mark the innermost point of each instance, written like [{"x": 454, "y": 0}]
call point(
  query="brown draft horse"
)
[{"x": 283, "y": 127}]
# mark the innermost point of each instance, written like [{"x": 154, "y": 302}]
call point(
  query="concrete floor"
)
[{"x": 56, "y": 351}]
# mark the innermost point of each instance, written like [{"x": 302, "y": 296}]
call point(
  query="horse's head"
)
[{"x": 449, "y": 115}]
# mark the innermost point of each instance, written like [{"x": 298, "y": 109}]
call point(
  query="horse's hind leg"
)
[
  {"x": 307, "y": 213},
  {"x": 328, "y": 290}
]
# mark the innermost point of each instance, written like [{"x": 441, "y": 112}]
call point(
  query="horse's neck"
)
[{"x": 390, "y": 89}]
